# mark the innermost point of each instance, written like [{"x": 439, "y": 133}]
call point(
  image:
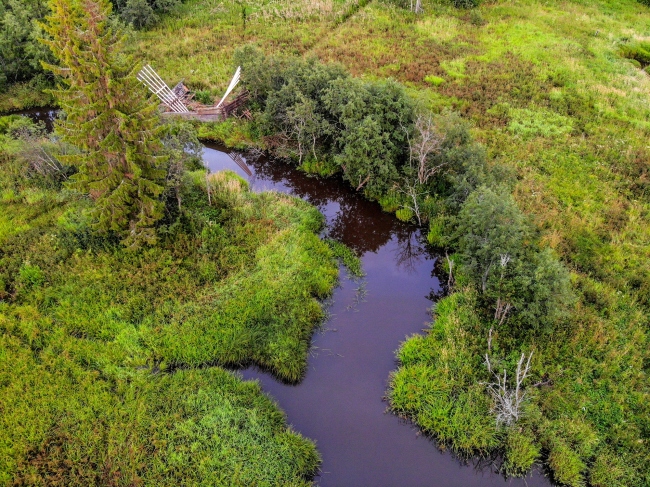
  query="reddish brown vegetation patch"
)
[
  {"x": 397, "y": 53},
  {"x": 508, "y": 79}
]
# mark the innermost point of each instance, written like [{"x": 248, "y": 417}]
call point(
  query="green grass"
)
[
  {"x": 109, "y": 359},
  {"x": 348, "y": 258}
]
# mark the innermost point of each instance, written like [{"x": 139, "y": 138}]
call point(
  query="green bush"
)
[
  {"x": 350, "y": 260},
  {"x": 143, "y": 13},
  {"x": 138, "y": 13},
  {"x": 205, "y": 97},
  {"x": 20, "y": 49},
  {"x": 545, "y": 123},
  {"x": 495, "y": 242},
  {"x": 404, "y": 214},
  {"x": 437, "y": 231},
  {"x": 465, "y": 3},
  {"x": 318, "y": 109},
  {"x": 609, "y": 470}
]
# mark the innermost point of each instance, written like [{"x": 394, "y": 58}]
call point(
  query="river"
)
[{"x": 340, "y": 402}]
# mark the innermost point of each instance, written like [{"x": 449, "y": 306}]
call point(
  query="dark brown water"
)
[
  {"x": 339, "y": 404},
  {"x": 45, "y": 115}
]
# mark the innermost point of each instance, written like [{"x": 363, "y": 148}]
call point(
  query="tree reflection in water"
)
[{"x": 351, "y": 218}]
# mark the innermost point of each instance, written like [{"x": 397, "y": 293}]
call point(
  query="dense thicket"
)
[
  {"x": 20, "y": 50},
  {"x": 329, "y": 121},
  {"x": 143, "y": 13}
]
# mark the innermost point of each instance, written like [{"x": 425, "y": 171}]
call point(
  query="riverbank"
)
[{"x": 24, "y": 96}]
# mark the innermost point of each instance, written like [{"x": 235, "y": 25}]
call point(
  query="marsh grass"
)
[
  {"x": 108, "y": 357},
  {"x": 348, "y": 258}
]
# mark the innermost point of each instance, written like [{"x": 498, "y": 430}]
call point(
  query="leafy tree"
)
[
  {"x": 370, "y": 145},
  {"x": 184, "y": 151},
  {"x": 142, "y": 13},
  {"x": 526, "y": 286},
  {"x": 108, "y": 119},
  {"x": 138, "y": 13},
  {"x": 20, "y": 51}
]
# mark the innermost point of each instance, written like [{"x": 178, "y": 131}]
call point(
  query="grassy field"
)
[{"x": 109, "y": 358}]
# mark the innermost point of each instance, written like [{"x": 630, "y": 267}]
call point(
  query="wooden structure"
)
[
  {"x": 158, "y": 87},
  {"x": 180, "y": 102}
]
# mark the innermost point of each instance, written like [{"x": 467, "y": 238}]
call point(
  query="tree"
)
[
  {"x": 306, "y": 126},
  {"x": 184, "y": 151},
  {"x": 426, "y": 142},
  {"x": 369, "y": 143},
  {"x": 423, "y": 145},
  {"x": 525, "y": 284},
  {"x": 508, "y": 401},
  {"x": 108, "y": 119},
  {"x": 142, "y": 13},
  {"x": 416, "y": 6},
  {"x": 20, "y": 50},
  {"x": 138, "y": 13}
]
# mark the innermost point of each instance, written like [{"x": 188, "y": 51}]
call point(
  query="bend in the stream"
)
[{"x": 339, "y": 404}]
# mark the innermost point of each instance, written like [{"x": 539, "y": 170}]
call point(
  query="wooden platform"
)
[{"x": 202, "y": 117}]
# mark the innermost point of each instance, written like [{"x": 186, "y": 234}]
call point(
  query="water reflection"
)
[
  {"x": 46, "y": 116},
  {"x": 351, "y": 219}
]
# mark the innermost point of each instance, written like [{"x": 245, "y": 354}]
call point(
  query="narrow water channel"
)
[{"x": 339, "y": 404}]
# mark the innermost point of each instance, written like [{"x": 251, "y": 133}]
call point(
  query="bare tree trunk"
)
[
  {"x": 362, "y": 183},
  {"x": 450, "y": 279},
  {"x": 507, "y": 402}
]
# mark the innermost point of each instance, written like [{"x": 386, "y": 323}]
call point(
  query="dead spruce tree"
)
[
  {"x": 416, "y": 6},
  {"x": 507, "y": 400},
  {"x": 108, "y": 119}
]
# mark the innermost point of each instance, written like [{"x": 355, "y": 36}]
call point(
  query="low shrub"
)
[{"x": 465, "y": 3}]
